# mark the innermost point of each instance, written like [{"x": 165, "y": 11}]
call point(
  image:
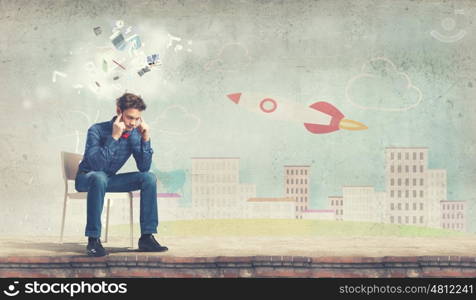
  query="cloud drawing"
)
[{"x": 380, "y": 86}]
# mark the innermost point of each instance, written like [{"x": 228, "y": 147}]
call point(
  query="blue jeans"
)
[{"x": 98, "y": 183}]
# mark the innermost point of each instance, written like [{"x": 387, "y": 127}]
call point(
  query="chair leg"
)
[
  {"x": 63, "y": 219},
  {"x": 131, "y": 220},
  {"x": 107, "y": 219}
]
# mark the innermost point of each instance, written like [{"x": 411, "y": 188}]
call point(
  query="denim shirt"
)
[{"x": 104, "y": 153}]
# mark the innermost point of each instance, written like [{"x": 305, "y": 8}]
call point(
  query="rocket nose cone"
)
[{"x": 234, "y": 97}]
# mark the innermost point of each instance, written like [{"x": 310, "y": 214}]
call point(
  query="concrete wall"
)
[{"x": 299, "y": 52}]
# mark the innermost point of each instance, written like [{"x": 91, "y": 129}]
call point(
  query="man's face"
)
[{"x": 130, "y": 117}]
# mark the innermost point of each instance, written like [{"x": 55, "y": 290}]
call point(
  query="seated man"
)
[{"x": 108, "y": 146}]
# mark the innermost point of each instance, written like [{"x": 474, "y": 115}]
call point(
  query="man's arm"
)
[
  {"x": 99, "y": 156},
  {"x": 143, "y": 155}
]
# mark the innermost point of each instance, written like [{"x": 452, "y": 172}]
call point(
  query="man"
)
[{"x": 108, "y": 146}]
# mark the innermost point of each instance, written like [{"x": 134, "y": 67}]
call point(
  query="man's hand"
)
[
  {"x": 144, "y": 130},
  {"x": 118, "y": 127}
]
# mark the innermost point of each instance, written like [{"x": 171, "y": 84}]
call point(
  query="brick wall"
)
[{"x": 249, "y": 266}]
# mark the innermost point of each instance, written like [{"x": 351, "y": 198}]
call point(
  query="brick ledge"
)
[{"x": 237, "y": 266}]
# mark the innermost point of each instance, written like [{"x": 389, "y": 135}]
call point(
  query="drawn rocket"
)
[{"x": 319, "y": 117}]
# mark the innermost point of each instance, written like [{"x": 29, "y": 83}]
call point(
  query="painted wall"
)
[{"x": 405, "y": 69}]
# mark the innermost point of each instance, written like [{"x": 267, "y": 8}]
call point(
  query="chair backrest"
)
[{"x": 70, "y": 164}]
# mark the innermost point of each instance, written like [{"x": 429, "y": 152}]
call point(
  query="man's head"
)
[{"x": 131, "y": 107}]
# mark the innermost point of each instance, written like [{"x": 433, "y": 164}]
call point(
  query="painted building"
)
[
  {"x": 271, "y": 208},
  {"x": 406, "y": 185},
  {"x": 336, "y": 203},
  {"x": 216, "y": 188},
  {"x": 436, "y": 191},
  {"x": 453, "y": 215},
  {"x": 296, "y": 186},
  {"x": 319, "y": 214},
  {"x": 362, "y": 204},
  {"x": 247, "y": 191}
]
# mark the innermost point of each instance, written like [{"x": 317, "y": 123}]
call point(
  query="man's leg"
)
[
  {"x": 146, "y": 182},
  {"x": 95, "y": 184}
]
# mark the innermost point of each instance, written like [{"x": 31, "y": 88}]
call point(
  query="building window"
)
[
  {"x": 287, "y": 181},
  {"x": 392, "y": 169},
  {"x": 392, "y": 192},
  {"x": 421, "y": 155},
  {"x": 392, "y": 206},
  {"x": 414, "y": 181},
  {"x": 421, "y": 219},
  {"x": 406, "y": 220},
  {"x": 406, "y": 193},
  {"x": 421, "y": 193},
  {"x": 399, "y": 220},
  {"x": 421, "y": 168},
  {"x": 332, "y": 202},
  {"x": 406, "y": 206},
  {"x": 407, "y": 155},
  {"x": 391, "y": 155},
  {"x": 392, "y": 181},
  {"x": 421, "y": 181},
  {"x": 391, "y": 219},
  {"x": 414, "y": 206},
  {"x": 407, "y": 181},
  {"x": 399, "y": 194},
  {"x": 421, "y": 206},
  {"x": 407, "y": 169},
  {"x": 414, "y": 155},
  {"x": 399, "y": 206},
  {"x": 399, "y": 181},
  {"x": 399, "y": 169},
  {"x": 287, "y": 190},
  {"x": 414, "y": 193},
  {"x": 399, "y": 156},
  {"x": 414, "y": 168},
  {"x": 414, "y": 219}
]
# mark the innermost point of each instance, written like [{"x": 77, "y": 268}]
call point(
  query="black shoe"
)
[
  {"x": 95, "y": 248},
  {"x": 147, "y": 243}
]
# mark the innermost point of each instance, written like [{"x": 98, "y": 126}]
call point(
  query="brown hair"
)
[{"x": 129, "y": 100}]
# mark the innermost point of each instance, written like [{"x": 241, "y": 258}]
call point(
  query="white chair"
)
[{"x": 70, "y": 162}]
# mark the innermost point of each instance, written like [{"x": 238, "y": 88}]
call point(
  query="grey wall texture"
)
[{"x": 420, "y": 55}]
